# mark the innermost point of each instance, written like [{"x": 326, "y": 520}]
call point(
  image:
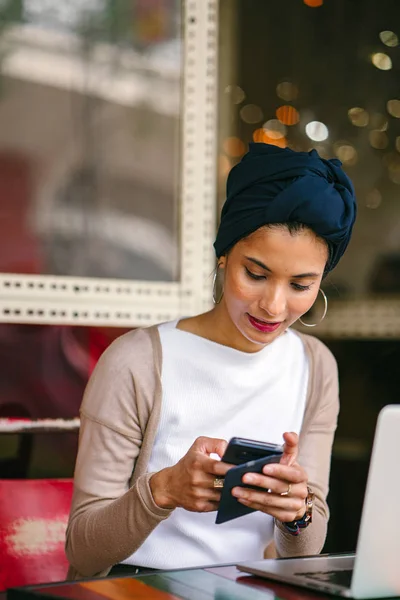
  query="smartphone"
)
[
  {"x": 242, "y": 450},
  {"x": 229, "y": 507}
]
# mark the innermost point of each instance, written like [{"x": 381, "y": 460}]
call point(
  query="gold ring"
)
[
  {"x": 287, "y": 491},
  {"x": 218, "y": 482}
]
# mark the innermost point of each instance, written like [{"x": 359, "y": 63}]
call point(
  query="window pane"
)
[
  {"x": 89, "y": 138},
  {"x": 324, "y": 75},
  {"x": 43, "y": 374}
]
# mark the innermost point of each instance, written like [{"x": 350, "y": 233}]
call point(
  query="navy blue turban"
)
[{"x": 278, "y": 185}]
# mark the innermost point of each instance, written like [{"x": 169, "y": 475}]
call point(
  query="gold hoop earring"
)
[
  {"x": 324, "y": 313},
  {"x": 214, "y": 288}
]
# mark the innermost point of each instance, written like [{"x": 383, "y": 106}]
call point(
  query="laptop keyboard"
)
[{"x": 342, "y": 577}]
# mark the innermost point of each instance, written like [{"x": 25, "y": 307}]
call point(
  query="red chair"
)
[{"x": 33, "y": 519}]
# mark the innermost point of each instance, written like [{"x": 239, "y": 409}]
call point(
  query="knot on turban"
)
[{"x": 278, "y": 185}]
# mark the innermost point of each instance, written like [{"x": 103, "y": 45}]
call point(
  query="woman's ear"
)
[{"x": 222, "y": 262}]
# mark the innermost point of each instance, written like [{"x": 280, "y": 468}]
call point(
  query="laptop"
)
[{"x": 374, "y": 570}]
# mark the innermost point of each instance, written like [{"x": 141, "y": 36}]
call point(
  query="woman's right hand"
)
[{"x": 190, "y": 483}]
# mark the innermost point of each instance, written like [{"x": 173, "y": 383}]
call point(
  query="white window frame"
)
[{"x": 46, "y": 299}]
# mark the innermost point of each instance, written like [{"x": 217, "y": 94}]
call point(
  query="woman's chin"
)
[{"x": 259, "y": 338}]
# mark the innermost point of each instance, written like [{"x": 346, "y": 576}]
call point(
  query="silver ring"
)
[
  {"x": 218, "y": 482},
  {"x": 287, "y": 491}
]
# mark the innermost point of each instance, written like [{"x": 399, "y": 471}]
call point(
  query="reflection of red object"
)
[
  {"x": 278, "y": 590},
  {"x": 33, "y": 519},
  {"x": 19, "y": 249},
  {"x": 98, "y": 342},
  {"x": 99, "y": 339},
  {"x": 43, "y": 373},
  {"x": 123, "y": 588},
  {"x": 281, "y": 590},
  {"x": 152, "y": 21}
]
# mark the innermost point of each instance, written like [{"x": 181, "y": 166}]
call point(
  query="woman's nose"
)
[{"x": 273, "y": 302}]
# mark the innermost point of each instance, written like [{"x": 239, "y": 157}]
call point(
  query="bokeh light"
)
[
  {"x": 288, "y": 115},
  {"x": 389, "y": 38},
  {"x": 224, "y": 166},
  {"x": 317, "y": 131},
  {"x": 395, "y": 176},
  {"x": 378, "y": 122},
  {"x": 378, "y": 139},
  {"x": 313, "y": 3},
  {"x": 388, "y": 158},
  {"x": 251, "y": 113},
  {"x": 323, "y": 150},
  {"x": 358, "y": 116},
  {"x": 346, "y": 153},
  {"x": 236, "y": 93},
  {"x": 381, "y": 61},
  {"x": 287, "y": 91},
  {"x": 260, "y": 135},
  {"x": 275, "y": 129},
  {"x": 392, "y": 162},
  {"x": 234, "y": 147},
  {"x": 393, "y": 108},
  {"x": 373, "y": 199}
]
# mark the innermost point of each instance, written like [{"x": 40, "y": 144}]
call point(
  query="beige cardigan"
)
[{"x": 112, "y": 511}]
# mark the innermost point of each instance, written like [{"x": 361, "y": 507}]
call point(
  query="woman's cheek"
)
[
  {"x": 302, "y": 305},
  {"x": 242, "y": 292}
]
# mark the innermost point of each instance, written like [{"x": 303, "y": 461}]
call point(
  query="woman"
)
[{"x": 164, "y": 400}]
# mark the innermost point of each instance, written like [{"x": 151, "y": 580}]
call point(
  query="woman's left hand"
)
[{"x": 287, "y": 478}]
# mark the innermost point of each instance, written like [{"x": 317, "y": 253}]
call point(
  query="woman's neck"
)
[{"x": 216, "y": 326}]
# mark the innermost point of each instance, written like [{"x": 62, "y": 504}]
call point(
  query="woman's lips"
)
[{"x": 263, "y": 326}]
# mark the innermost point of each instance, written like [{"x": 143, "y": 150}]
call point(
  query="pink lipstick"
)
[{"x": 264, "y": 326}]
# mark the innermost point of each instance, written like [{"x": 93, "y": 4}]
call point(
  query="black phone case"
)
[
  {"x": 229, "y": 507},
  {"x": 237, "y": 446}
]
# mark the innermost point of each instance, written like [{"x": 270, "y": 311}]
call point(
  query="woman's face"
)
[{"x": 271, "y": 278}]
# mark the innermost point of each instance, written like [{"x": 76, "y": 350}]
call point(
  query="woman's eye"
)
[
  {"x": 253, "y": 275},
  {"x": 300, "y": 288}
]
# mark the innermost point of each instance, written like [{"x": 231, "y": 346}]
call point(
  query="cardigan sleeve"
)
[
  {"x": 109, "y": 520},
  {"x": 315, "y": 448}
]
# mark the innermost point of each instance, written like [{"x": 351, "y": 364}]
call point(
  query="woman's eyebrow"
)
[
  {"x": 261, "y": 264},
  {"x": 258, "y": 263},
  {"x": 305, "y": 275}
]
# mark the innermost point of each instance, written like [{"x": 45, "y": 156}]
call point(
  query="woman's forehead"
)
[
  {"x": 277, "y": 243},
  {"x": 280, "y": 234}
]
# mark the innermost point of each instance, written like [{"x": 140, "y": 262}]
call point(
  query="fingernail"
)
[
  {"x": 268, "y": 470},
  {"x": 248, "y": 478},
  {"x": 237, "y": 492}
]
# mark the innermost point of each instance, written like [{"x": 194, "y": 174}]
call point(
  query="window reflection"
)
[
  {"x": 311, "y": 77},
  {"x": 43, "y": 374},
  {"x": 89, "y": 138}
]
